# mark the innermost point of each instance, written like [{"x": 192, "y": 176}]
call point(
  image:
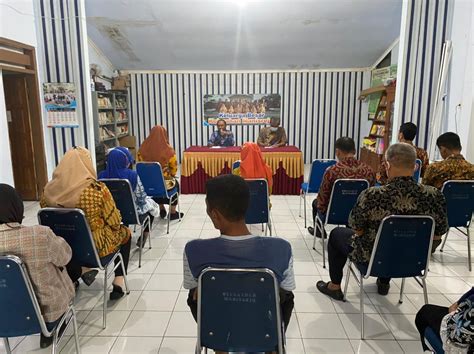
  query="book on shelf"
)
[
  {"x": 381, "y": 115},
  {"x": 377, "y": 129}
]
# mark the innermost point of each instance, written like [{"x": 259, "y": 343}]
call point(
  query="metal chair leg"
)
[
  {"x": 348, "y": 275},
  {"x": 469, "y": 248},
  {"x": 425, "y": 291},
  {"x": 304, "y": 207},
  {"x": 315, "y": 221},
  {"x": 169, "y": 219},
  {"x": 104, "y": 305},
  {"x": 323, "y": 237},
  {"x": 74, "y": 328},
  {"x": 400, "y": 301},
  {"x": 124, "y": 271},
  {"x": 6, "y": 343},
  {"x": 362, "y": 334},
  {"x": 301, "y": 196},
  {"x": 179, "y": 208},
  {"x": 444, "y": 241}
]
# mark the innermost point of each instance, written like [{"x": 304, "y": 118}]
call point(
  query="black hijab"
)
[{"x": 11, "y": 205}]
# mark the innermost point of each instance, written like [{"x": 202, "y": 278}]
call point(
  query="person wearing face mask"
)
[
  {"x": 272, "y": 136},
  {"x": 402, "y": 195},
  {"x": 347, "y": 166},
  {"x": 222, "y": 136}
]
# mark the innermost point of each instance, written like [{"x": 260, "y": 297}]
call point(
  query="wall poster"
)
[{"x": 61, "y": 105}]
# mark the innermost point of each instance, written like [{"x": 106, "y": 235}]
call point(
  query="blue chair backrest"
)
[
  {"x": 344, "y": 195},
  {"x": 72, "y": 226},
  {"x": 235, "y": 164},
  {"x": 151, "y": 175},
  {"x": 434, "y": 341},
  {"x": 318, "y": 167},
  {"x": 121, "y": 191},
  {"x": 459, "y": 201},
  {"x": 257, "y": 212},
  {"x": 417, "y": 173},
  {"x": 402, "y": 246},
  {"x": 239, "y": 310},
  {"x": 20, "y": 313}
]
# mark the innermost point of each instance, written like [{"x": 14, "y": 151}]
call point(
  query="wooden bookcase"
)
[{"x": 378, "y": 140}]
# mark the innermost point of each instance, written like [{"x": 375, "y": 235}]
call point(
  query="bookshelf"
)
[{"x": 378, "y": 140}]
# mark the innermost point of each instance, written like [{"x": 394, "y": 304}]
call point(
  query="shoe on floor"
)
[
  {"x": 117, "y": 292},
  {"x": 435, "y": 245},
  {"x": 382, "y": 288},
  {"x": 322, "y": 286},
  {"x": 176, "y": 216},
  {"x": 139, "y": 241},
  {"x": 311, "y": 231},
  {"x": 89, "y": 277},
  {"x": 162, "y": 213},
  {"x": 45, "y": 342}
]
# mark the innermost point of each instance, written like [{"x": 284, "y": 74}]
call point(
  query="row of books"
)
[{"x": 374, "y": 144}]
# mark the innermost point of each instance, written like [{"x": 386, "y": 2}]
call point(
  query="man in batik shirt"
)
[
  {"x": 401, "y": 196},
  {"x": 453, "y": 166},
  {"x": 272, "y": 136}
]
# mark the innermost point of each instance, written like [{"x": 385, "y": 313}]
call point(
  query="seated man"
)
[
  {"x": 407, "y": 134},
  {"x": 346, "y": 167},
  {"x": 272, "y": 136},
  {"x": 453, "y": 166},
  {"x": 222, "y": 136},
  {"x": 401, "y": 196},
  {"x": 227, "y": 199}
]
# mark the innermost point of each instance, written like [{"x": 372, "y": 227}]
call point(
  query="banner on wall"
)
[
  {"x": 60, "y": 103},
  {"x": 241, "y": 109}
]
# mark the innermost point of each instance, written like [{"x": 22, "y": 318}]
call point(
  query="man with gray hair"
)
[{"x": 401, "y": 196}]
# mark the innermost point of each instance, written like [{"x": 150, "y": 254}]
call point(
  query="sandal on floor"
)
[
  {"x": 117, "y": 292},
  {"x": 176, "y": 216},
  {"x": 162, "y": 213},
  {"x": 145, "y": 238},
  {"x": 89, "y": 277}
]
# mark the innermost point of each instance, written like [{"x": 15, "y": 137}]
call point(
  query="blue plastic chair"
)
[
  {"x": 20, "y": 310},
  {"x": 417, "y": 173},
  {"x": 258, "y": 211},
  {"x": 239, "y": 311},
  {"x": 433, "y": 341},
  {"x": 344, "y": 195},
  {"x": 401, "y": 249},
  {"x": 318, "y": 167},
  {"x": 71, "y": 224},
  {"x": 151, "y": 175},
  {"x": 460, "y": 204},
  {"x": 121, "y": 191},
  {"x": 235, "y": 164}
]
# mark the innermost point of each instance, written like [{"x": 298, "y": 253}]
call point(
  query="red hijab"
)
[
  {"x": 156, "y": 147},
  {"x": 252, "y": 164}
]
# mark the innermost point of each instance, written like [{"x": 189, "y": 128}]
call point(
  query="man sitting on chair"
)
[
  {"x": 453, "y": 166},
  {"x": 227, "y": 199},
  {"x": 272, "y": 136},
  {"x": 222, "y": 136},
  {"x": 346, "y": 167},
  {"x": 401, "y": 196}
]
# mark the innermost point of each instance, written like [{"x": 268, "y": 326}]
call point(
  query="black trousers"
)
[
  {"x": 339, "y": 247},
  {"x": 430, "y": 316},
  {"x": 166, "y": 200},
  {"x": 287, "y": 304},
  {"x": 143, "y": 216}
]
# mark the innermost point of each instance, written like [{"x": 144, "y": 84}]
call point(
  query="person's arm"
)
[
  {"x": 189, "y": 282},
  {"x": 325, "y": 191},
  {"x": 283, "y": 140},
  {"x": 261, "y": 138},
  {"x": 440, "y": 214},
  {"x": 459, "y": 326},
  {"x": 429, "y": 176},
  {"x": 60, "y": 252},
  {"x": 288, "y": 283},
  {"x": 358, "y": 215},
  {"x": 229, "y": 140}
]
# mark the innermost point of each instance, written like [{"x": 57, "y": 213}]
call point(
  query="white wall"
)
[
  {"x": 6, "y": 174},
  {"x": 97, "y": 56}
]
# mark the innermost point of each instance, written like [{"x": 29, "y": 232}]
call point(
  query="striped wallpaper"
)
[
  {"x": 317, "y": 106},
  {"x": 62, "y": 37},
  {"x": 427, "y": 23}
]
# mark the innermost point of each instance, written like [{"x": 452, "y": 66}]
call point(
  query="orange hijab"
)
[
  {"x": 252, "y": 164},
  {"x": 156, "y": 147}
]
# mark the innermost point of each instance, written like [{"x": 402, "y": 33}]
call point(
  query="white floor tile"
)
[
  {"x": 375, "y": 346},
  {"x": 411, "y": 346},
  {"x": 146, "y": 324},
  {"x": 165, "y": 282},
  {"x": 402, "y": 326},
  {"x": 321, "y": 325},
  {"x": 157, "y": 300},
  {"x": 92, "y": 325},
  {"x": 316, "y": 346},
  {"x": 313, "y": 302},
  {"x": 92, "y": 345},
  {"x": 375, "y": 327},
  {"x": 129, "y": 345},
  {"x": 181, "y": 324},
  {"x": 177, "y": 345},
  {"x": 294, "y": 346},
  {"x": 170, "y": 267}
]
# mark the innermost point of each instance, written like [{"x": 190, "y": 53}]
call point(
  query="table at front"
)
[{"x": 203, "y": 163}]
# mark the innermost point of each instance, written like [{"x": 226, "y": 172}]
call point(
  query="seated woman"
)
[
  {"x": 75, "y": 185},
  {"x": 156, "y": 148},
  {"x": 44, "y": 254},
  {"x": 252, "y": 165},
  {"x": 453, "y": 325},
  {"x": 117, "y": 167}
]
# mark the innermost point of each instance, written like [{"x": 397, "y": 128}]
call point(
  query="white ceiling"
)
[{"x": 242, "y": 34}]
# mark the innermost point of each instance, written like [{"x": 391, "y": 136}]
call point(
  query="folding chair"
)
[
  {"x": 151, "y": 175},
  {"x": 401, "y": 249},
  {"x": 460, "y": 204},
  {"x": 417, "y": 173},
  {"x": 21, "y": 312},
  {"x": 343, "y": 197},
  {"x": 235, "y": 164},
  {"x": 318, "y": 167},
  {"x": 432, "y": 341},
  {"x": 121, "y": 191},
  {"x": 239, "y": 311},
  {"x": 72, "y": 226},
  {"x": 258, "y": 211}
]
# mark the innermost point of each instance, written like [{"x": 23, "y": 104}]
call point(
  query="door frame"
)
[{"x": 19, "y": 58}]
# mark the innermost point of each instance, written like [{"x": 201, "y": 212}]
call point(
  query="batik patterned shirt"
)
[
  {"x": 421, "y": 154},
  {"x": 217, "y": 139},
  {"x": 401, "y": 196},
  {"x": 346, "y": 168},
  {"x": 454, "y": 167},
  {"x": 267, "y": 137}
]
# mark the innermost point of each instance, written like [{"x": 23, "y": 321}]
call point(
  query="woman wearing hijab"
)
[
  {"x": 252, "y": 164},
  {"x": 118, "y": 167},
  {"x": 156, "y": 148},
  {"x": 75, "y": 185},
  {"x": 44, "y": 254}
]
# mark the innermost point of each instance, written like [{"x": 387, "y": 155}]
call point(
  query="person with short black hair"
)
[
  {"x": 453, "y": 166},
  {"x": 401, "y": 196},
  {"x": 222, "y": 136},
  {"x": 227, "y": 200},
  {"x": 407, "y": 134},
  {"x": 346, "y": 167}
]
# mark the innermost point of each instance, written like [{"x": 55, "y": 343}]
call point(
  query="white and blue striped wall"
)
[
  {"x": 63, "y": 57},
  {"x": 317, "y": 106}
]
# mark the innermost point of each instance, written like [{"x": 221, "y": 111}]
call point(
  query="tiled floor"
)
[{"x": 154, "y": 318}]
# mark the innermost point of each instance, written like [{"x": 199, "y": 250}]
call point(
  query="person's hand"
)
[{"x": 453, "y": 307}]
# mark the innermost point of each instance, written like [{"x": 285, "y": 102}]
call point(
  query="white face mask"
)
[{"x": 273, "y": 129}]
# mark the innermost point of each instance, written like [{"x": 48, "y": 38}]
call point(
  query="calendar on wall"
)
[{"x": 61, "y": 105}]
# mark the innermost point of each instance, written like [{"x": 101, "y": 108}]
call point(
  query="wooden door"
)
[{"x": 19, "y": 130}]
